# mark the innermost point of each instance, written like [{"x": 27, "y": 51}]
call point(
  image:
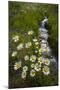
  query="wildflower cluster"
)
[{"x": 37, "y": 62}]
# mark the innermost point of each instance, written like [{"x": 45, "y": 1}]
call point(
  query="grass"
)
[{"x": 22, "y": 18}]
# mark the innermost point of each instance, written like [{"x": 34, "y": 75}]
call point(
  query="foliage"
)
[{"x": 24, "y": 17}]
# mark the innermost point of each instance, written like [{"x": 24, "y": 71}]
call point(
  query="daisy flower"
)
[
  {"x": 35, "y": 40},
  {"x": 36, "y": 43},
  {"x": 26, "y": 57},
  {"x": 32, "y": 73},
  {"x": 27, "y": 45},
  {"x": 46, "y": 70},
  {"x": 15, "y": 38},
  {"x": 37, "y": 67},
  {"x": 23, "y": 75},
  {"x": 20, "y": 46},
  {"x": 14, "y": 54},
  {"x": 17, "y": 65},
  {"x": 30, "y": 32},
  {"x": 33, "y": 58},
  {"x": 40, "y": 59},
  {"x": 32, "y": 65},
  {"x": 25, "y": 68},
  {"x": 47, "y": 62}
]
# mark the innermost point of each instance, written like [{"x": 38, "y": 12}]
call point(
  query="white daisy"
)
[
  {"x": 15, "y": 38},
  {"x": 47, "y": 62},
  {"x": 25, "y": 68},
  {"x": 33, "y": 58},
  {"x": 40, "y": 59},
  {"x": 20, "y": 46},
  {"x": 30, "y": 32},
  {"x": 27, "y": 45},
  {"x": 17, "y": 65},
  {"x": 36, "y": 43},
  {"x": 37, "y": 67},
  {"x": 32, "y": 65},
  {"x": 46, "y": 70},
  {"x": 32, "y": 73},
  {"x": 23, "y": 75},
  {"x": 14, "y": 54},
  {"x": 35, "y": 40},
  {"x": 26, "y": 57}
]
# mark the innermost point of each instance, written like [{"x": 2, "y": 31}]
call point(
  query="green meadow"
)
[{"x": 25, "y": 17}]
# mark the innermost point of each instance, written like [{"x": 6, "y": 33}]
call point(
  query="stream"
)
[{"x": 43, "y": 37}]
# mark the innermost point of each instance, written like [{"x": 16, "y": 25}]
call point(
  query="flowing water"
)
[{"x": 47, "y": 51}]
